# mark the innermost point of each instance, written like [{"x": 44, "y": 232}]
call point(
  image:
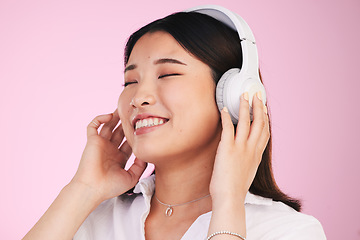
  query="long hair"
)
[{"x": 218, "y": 46}]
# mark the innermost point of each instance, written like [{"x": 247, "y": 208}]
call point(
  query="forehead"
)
[{"x": 156, "y": 45}]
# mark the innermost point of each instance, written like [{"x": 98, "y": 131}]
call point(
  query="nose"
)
[{"x": 144, "y": 96}]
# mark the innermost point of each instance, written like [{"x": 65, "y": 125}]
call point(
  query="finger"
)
[
  {"x": 136, "y": 170},
  {"x": 126, "y": 151},
  {"x": 259, "y": 119},
  {"x": 107, "y": 129},
  {"x": 243, "y": 126},
  {"x": 93, "y": 126},
  {"x": 265, "y": 135},
  {"x": 117, "y": 136},
  {"x": 227, "y": 135}
]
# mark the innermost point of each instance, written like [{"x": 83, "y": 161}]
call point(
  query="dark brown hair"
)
[{"x": 218, "y": 46}]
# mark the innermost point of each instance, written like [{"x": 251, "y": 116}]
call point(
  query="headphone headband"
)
[
  {"x": 234, "y": 21},
  {"x": 245, "y": 78}
]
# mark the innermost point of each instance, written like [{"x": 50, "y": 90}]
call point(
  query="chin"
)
[{"x": 149, "y": 154}]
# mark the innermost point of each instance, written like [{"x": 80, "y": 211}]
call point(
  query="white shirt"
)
[{"x": 123, "y": 218}]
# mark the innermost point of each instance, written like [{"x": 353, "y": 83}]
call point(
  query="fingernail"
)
[
  {"x": 225, "y": 109},
  {"x": 265, "y": 109},
  {"x": 246, "y": 96},
  {"x": 258, "y": 94}
]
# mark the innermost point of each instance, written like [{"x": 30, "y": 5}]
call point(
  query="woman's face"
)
[{"x": 167, "y": 107}]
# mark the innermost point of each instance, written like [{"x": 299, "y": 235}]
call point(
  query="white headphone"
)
[{"x": 246, "y": 78}]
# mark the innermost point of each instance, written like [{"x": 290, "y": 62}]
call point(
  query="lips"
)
[{"x": 147, "y": 120}]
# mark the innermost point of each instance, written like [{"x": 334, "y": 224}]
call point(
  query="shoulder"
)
[{"x": 268, "y": 219}]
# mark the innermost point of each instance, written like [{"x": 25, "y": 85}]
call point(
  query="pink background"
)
[{"x": 61, "y": 65}]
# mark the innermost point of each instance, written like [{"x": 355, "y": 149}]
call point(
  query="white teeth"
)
[
  {"x": 138, "y": 125},
  {"x": 148, "y": 122},
  {"x": 144, "y": 123}
]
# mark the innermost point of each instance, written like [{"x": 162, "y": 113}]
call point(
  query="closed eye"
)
[
  {"x": 168, "y": 75},
  {"x": 161, "y": 76},
  {"x": 128, "y": 83}
]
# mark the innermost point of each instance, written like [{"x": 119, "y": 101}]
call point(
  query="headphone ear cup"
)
[
  {"x": 231, "y": 86},
  {"x": 223, "y": 92},
  {"x": 220, "y": 86}
]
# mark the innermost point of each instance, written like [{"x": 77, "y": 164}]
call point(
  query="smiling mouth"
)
[{"x": 149, "y": 122}]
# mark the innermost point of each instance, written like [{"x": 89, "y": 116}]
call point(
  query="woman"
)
[{"x": 213, "y": 178}]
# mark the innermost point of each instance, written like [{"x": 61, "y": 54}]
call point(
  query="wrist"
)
[
  {"x": 84, "y": 192},
  {"x": 228, "y": 200},
  {"x": 228, "y": 205},
  {"x": 228, "y": 214}
]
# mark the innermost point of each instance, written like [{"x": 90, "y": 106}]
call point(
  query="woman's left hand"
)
[{"x": 239, "y": 155}]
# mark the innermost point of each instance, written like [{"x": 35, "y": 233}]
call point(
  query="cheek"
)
[
  {"x": 194, "y": 105},
  {"x": 204, "y": 108},
  {"x": 124, "y": 110},
  {"x": 202, "y": 97},
  {"x": 195, "y": 92},
  {"x": 123, "y": 105}
]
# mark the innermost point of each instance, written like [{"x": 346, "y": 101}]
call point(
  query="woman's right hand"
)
[
  {"x": 102, "y": 163},
  {"x": 100, "y": 176}
]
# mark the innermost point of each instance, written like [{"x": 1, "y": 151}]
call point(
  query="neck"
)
[
  {"x": 184, "y": 180},
  {"x": 185, "y": 177}
]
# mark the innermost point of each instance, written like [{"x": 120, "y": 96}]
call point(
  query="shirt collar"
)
[{"x": 146, "y": 186}]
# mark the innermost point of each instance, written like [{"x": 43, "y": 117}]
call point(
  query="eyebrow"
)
[
  {"x": 130, "y": 67},
  {"x": 168, "y": 60},
  {"x": 159, "y": 61}
]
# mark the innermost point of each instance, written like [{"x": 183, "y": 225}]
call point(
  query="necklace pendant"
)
[{"x": 169, "y": 211}]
